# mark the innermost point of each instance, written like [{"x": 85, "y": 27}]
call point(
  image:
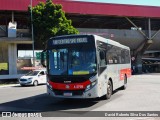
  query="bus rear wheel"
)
[{"x": 125, "y": 83}]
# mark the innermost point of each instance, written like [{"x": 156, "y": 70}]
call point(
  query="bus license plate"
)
[{"x": 67, "y": 94}]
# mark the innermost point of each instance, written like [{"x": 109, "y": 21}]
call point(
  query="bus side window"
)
[
  {"x": 111, "y": 54},
  {"x": 109, "y": 59},
  {"x": 102, "y": 57},
  {"x": 118, "y": 55},
  {"x": 127, "y": 56},
  {"x": 123, "y": 56}
]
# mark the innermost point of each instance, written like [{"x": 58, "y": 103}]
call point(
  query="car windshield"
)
[
  {"x": 32, "y": 73},
  {"x": 72, "y": 61}
]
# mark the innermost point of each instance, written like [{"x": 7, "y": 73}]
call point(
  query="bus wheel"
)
[
  {"x": 109, "y": 90},
  {"x": 35, "y": 83},
  {"x": 125, "y": 83}
]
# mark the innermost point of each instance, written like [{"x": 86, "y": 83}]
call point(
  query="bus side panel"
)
[
  {"x": 124, "y": 69},
  {"x": 112, "y": 73},
  {"x": 102, "y": 83}
]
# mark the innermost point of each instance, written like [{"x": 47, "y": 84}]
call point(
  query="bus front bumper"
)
[{"x": 92, "y": 93}]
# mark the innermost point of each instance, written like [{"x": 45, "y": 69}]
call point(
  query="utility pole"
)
[{"x": 32, "y": 35}]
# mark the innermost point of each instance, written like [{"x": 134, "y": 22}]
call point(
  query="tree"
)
[{"x": 49, "y": 20}]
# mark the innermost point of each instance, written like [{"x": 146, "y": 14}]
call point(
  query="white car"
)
[{"x": 33, "y": 78}]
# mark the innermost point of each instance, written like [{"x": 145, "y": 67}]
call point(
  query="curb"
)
[{"x": 3, "y": 86}]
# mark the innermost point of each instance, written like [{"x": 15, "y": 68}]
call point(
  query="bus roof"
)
[
  {"x": 110, "y": 41},
  {"x": 105, "y": 40}
]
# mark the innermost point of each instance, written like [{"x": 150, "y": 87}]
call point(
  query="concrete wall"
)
[
  {"x": 12, "y": 53},
  {"x": 8, "y": 58},
  {"x": 131, "y": 38}
]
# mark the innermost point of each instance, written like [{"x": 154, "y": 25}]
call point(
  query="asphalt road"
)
[{"x": 142, "y": 94}]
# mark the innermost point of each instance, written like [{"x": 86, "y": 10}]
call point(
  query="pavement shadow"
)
[
  {"x": 43, "y": 103},
  {"x": 18, "y": 85},
  {"x": 46, "y": 104}
]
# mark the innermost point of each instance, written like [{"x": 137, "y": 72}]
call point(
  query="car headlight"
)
[
  {"x": 91, "y": 85},
  {"x": 30, "y": 78}
]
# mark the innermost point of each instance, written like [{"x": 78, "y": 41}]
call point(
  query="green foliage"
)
[{"x": 49, "y": 20}]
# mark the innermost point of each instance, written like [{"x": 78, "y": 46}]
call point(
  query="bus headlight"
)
[
  {"x": 91, "y": 85},
  {"x": 49, "y": 86},
  {"x": 94, "y": 83}
]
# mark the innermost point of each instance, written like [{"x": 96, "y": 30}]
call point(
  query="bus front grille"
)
[{"x": 74, "y": 92}]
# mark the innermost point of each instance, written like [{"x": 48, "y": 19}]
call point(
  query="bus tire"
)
[
  {"x": 109, "y": 90},
  {"x": 125, "y": 83},
  {"x": 35, "y": 83}
]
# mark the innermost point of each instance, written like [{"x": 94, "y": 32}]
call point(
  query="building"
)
[{"x": 133, "y": 25}]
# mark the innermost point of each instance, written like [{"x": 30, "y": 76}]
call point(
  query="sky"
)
[{"x": 132, "y": 2}]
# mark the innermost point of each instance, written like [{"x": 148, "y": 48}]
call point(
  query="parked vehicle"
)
[{"x": 35, "y": 78}]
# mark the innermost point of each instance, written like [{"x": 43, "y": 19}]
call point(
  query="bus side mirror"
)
[
  {"x": 102, "y": 56},
  {"x": 43, "y": 58}
]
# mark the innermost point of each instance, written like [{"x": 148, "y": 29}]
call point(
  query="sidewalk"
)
[
  {"x": 147, "y": 75},
  {"x": 10, "y": 85}
]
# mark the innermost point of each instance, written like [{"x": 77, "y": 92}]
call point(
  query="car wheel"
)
[
  {"x": 35, "y": 83},
  {"x": 22, "y": 85},
  {"x": 125, "y": 83}
]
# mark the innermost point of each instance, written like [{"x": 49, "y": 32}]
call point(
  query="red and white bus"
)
[{"x": 86, "y": 66}]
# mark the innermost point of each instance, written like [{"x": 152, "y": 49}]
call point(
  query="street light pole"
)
[{"x": 32, "y": 35}]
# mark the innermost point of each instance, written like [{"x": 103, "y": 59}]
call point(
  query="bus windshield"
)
[{"x": 79, "y": 60}]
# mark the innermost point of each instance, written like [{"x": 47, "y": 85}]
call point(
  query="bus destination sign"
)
[{"x": 70, "y": 41}]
